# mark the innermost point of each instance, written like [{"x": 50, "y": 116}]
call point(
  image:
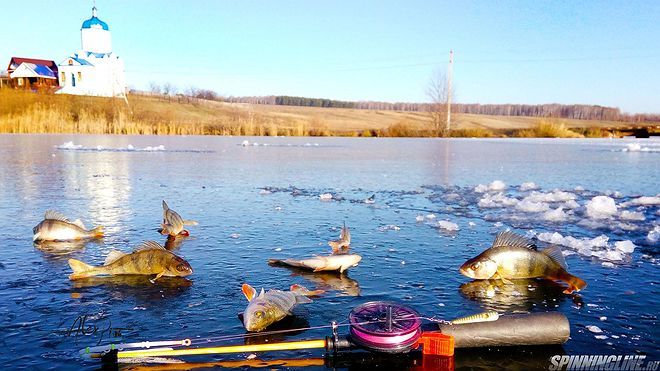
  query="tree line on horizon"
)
[
  {"x": 567, "y": 111},
  {"x": 554, "y": 110}
]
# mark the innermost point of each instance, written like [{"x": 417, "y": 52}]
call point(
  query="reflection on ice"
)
[
  {"x": 63, "y": 247},
  {"x": 328, "y": 281},
  {"x": 522, "y": 295}
]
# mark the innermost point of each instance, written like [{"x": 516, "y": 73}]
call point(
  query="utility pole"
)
[{"x": 449, "y": 67}]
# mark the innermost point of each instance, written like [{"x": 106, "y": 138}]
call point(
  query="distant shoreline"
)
[{"x": 26, "y": 112}]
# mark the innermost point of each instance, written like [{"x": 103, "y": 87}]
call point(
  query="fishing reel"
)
[{"x": 387, "y": 327}]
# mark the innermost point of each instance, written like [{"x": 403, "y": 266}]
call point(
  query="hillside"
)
[{"x": 24, "y": 112}]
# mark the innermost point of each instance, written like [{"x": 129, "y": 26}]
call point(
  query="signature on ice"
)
[{"x": 83, "y": 325}]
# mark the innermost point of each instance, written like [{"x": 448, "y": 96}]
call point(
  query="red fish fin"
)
[
  {"x": 248, "y": 291},
  {"x": 98, "y": 232},
  {"x": 574, "y": 283}
]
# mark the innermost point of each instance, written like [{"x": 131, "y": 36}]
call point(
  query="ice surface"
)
[
  {"x": 419, "y": 218},
  {"x": 601, "y": 207}
]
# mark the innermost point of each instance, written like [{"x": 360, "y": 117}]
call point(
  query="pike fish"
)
[
  {"x": 341, "y": 245},
  {"x": 269, "y": 307},
  {"x": 322, "y": 263},
  {"x": 148, "y": 258},
  {"x": 173, "y": 222},
  {"x": 56, "y": 227},
  {"x": 513, "y": 256}
]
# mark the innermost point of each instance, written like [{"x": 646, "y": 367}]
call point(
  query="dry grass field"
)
[{"x": 25, "y": 112}]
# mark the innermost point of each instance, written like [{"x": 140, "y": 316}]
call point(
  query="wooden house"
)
[{"x": 32, "y": 74}]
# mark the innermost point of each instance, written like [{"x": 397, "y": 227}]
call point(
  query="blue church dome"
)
[{"x": 94, "y": 22}]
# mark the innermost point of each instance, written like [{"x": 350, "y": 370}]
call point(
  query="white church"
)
[{"x": 95, "y": 69}]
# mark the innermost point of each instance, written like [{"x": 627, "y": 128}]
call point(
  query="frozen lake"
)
[{"x": 599, "y": 200}]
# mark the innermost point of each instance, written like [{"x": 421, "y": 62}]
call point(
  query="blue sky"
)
[{"x": 591, "y": 52}]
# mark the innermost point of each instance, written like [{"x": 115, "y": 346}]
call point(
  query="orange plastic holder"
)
[{"x": 436, "y": 343}]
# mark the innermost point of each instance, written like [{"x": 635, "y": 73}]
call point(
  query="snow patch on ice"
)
[
  {"x": 597, "y": 247},
  {"x": 528, "y": 186},
  {"x": 625, "y": 246},
  {"x": 645, "y": 200},
  {"x": 554, "y": 196},
  {"x": 531, "y": 206},
  {"x": 594, "y": 329},
  {"x": 556, "y": 215},
  {"x": 632, "y": 215},
  {"x": 636, "y": 147},
  {"x": 70, "y": 146},
  {"x": 654, "y": 235},
  {"x": 496, "y": 200},
  {"x": 601, "y": 207},
  {"x": 447, "y": 225},
  {"x": 389, "y": 227},
  {"x": 496, "y": 185}
]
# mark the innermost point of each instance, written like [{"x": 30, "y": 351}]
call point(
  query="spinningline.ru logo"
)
[{"x": 601, "y": 362}]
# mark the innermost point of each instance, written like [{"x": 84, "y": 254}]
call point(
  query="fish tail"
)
[
  {"x": 97, "y": 232},
  {"x": 80, "y": 269},
  {"x": 574, "y": 282},
  {"x": 303, "y": 291}
]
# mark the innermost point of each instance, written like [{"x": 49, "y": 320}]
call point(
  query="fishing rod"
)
[{"x": 377, "y": 326}]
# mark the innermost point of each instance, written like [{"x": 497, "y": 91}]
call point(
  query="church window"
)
[
  {"x": 79, "y": 76},
  {"x": 63, "y": 78}
]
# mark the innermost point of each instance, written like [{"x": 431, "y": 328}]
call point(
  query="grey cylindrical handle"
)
[{"x": 510, "y": 330}]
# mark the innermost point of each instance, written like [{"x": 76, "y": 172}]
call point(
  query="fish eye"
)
[
  {"x": 475, "y": 265},
  {"x": 259, "y": 314}
]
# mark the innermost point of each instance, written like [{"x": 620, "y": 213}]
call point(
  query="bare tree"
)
[
  {"x": 167, "y": 88},
  {"x": 438, "y": 93},
  {"x": 154, "y": 88}
]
